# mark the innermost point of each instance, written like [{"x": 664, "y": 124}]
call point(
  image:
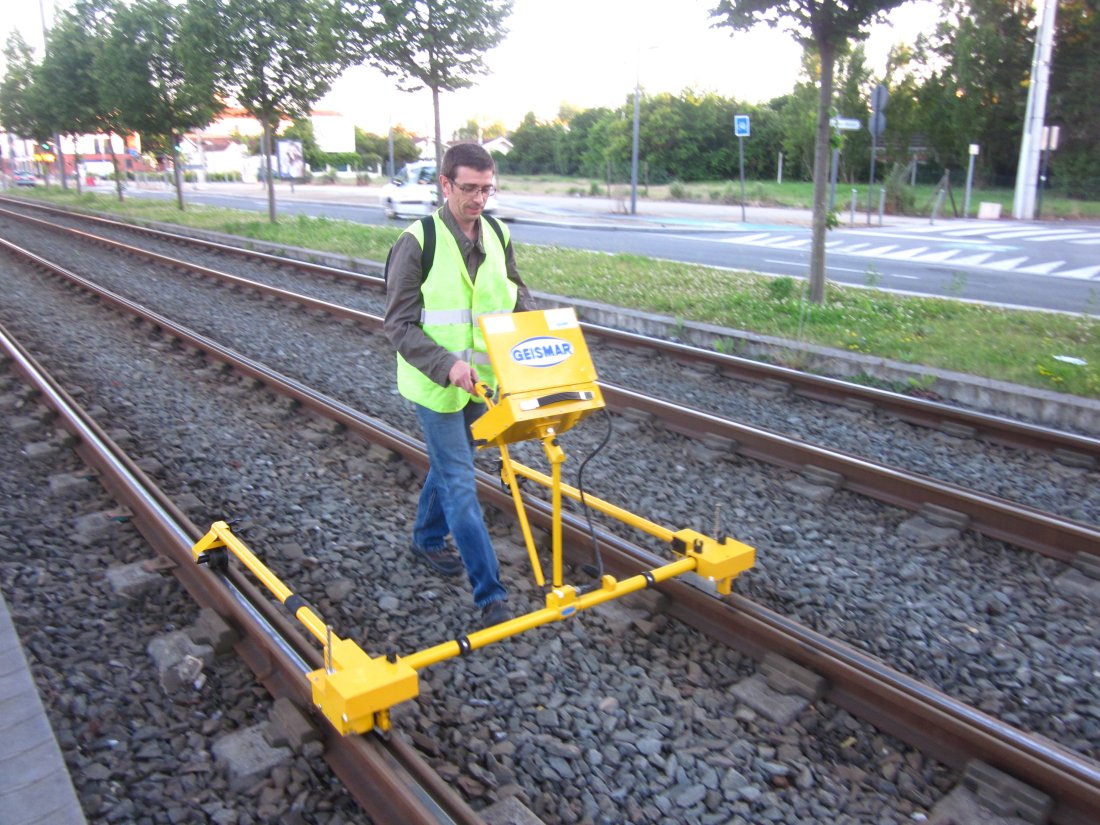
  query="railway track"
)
[
  {"x": 386, "y": 776},
  {"x": 743, "y": 618},
  {"x": 951, "y": 506}
]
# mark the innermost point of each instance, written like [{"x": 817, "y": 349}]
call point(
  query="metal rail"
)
[{"x": 930, "y": 720}]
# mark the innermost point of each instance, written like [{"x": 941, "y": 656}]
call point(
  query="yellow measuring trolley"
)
[{"x": 546, "y": 385}]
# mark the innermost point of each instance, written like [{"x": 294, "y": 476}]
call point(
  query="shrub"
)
[
  {"x": 782, "y": 288},
  {"x": 901, "y": 199}
]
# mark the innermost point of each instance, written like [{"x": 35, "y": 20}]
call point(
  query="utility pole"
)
[{"x": 1027, "y": 170}]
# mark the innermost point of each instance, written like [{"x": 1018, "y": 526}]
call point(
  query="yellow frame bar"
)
[
  {"x": 625, "y": 516},
  {"x": 561, "y": 604},
  {"x": 221, "y": 536}
]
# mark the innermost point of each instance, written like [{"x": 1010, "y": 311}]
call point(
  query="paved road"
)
[{"x": 1035, "y": 264}]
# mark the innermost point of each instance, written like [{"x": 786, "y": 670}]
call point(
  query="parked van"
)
[{"x": 412, "y": 192}]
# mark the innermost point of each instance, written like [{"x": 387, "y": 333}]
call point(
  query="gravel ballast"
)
[{"x": 633, "y": 711}]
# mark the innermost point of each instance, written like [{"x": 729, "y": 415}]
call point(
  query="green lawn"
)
[{"x": 995, "y": 343}]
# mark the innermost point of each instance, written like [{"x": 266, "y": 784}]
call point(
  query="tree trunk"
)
[
  {"x": 178, "y": 175},
  {"x": 266, "y": 149},
  {"x": 821, "y": 174},
  {"x": 438, "y": 146},
  {"x": 11, "y": 159},
  {"x": 61, "y": 162},
  {"x": 114, "y": 163},
  {"x": 76, "y": 167}
]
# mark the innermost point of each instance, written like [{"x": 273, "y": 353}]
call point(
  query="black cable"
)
[{"x": 596, "y": 569}]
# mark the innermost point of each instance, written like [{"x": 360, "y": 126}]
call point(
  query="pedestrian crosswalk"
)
[{"x": 976, "y": 245}]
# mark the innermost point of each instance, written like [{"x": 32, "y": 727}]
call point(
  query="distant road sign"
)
[
  {"x": 878, "y": 124},
  {"x": 845, "y": 124},
  {"x": 879, "y": 98},
  {"x": 741, "y": 125}
]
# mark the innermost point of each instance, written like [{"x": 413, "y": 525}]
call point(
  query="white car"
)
[{"x": 412, "y": 192}]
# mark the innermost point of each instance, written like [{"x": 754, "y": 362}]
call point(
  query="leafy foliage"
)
[
  {"x": 155, "y": 76},
  {"x": 22, "y": 111},
  {"x": 1075, "y": 75},
  {"x": 278, "y": 57},
  {"x": 432, "y": 44},
  {"x": 827, "y": 27}
]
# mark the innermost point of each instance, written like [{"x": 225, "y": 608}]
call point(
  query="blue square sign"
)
[{"x": 741, "y": 125}]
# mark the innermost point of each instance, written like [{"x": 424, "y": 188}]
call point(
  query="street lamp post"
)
[
  {"x": 634, "y": 157},
  {"x": 634, "y": 144}
]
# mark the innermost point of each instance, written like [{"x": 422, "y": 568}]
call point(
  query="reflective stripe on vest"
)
[
  {"x": 452, "y": 304},
  {"x": 446, "y": 316}
]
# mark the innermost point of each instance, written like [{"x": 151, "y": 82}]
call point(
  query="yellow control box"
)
[{"x": 547, "y": 382}]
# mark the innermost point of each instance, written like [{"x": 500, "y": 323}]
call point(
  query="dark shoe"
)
[
  {"x": 444, "y": 561},
  {"x": 495, "y": 613}
]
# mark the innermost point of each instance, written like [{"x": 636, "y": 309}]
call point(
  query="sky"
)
[{"x": 586, "y": 53}]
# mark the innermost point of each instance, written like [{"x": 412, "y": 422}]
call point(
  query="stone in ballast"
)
[{"x": 247, "y": 757}]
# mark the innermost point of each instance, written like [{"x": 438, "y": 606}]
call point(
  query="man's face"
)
[{"x": 468, "y": 192}]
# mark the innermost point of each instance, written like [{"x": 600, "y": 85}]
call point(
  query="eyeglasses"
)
[{"x": 474, "y": 189}]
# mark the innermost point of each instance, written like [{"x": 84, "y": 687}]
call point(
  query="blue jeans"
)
[{"x": 448, "y": 501}]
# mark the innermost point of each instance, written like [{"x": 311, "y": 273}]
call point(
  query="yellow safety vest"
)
[{"x": 452, "y": 304}]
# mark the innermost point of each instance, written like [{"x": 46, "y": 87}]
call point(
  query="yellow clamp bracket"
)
[
  {"x": 353, "y": 690},
  {"x": 719, "y": 561}
]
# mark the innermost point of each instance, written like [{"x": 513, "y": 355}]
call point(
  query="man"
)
[{"x": 431, "y": 319}]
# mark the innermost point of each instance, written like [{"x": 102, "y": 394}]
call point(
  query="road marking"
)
[
  {"x": 924, "y": 254},
  {"x": 937, "y": 257},
  {"x": 974, "y": 260},
  {"x": 909, "y": 254},
  {"x": 1041, "y": 235},
  {"x": 1084, "y": 272},
  {"x": 1042, "y": 269},
  {"x": 1006, "y": 265}
]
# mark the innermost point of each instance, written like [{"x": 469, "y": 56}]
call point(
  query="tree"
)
[
  {"x": 22, "y": 110},
  {"x": 278, "y": 58},
  {"x": 1075, "y": 73},
  {"x": 375, "y": 149},
  {"x": 68, "y": 72},
  {"x": 827, "y": 26},
  {"x": 433, "y": 44},
  {"x": 470, "y": 131},
  {"x": 155, "y": 74},
  {"x": 535, "y": 147},
  {"x": 980, "y": 93}
]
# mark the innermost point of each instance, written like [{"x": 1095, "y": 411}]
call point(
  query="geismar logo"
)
[{"x": 542, "y": 351}]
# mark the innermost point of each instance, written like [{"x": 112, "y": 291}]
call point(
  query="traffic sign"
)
[
  {"x": 845, "y": 124},
  {"x": 877, "y": 124},
  {"x": 879, "y": 98},
  {"x": 741, "y": 125}
]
